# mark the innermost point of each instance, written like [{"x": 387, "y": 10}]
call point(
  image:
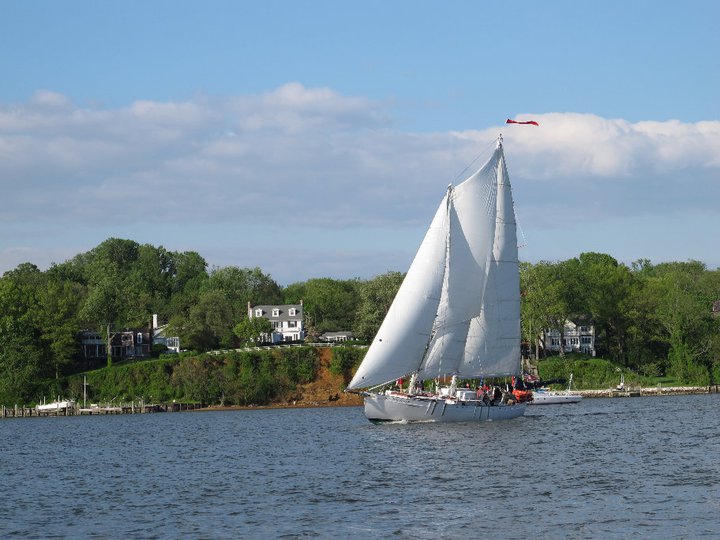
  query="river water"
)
[{"x": 603, "y": 468}]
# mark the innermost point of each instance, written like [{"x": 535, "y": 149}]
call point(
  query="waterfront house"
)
[
  {"x": 131, "y": 344},
  {"x": 286, "y": 320},
  {"x": 336, "y": 337},
  {"x": 92, "y": 345},
  {"x": 159, "y": 336},
  {"x": 127, "y": 344},
  {"x": 578, "y": 335}
]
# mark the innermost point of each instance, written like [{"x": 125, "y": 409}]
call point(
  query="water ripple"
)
[{"x": 603, "y": 468}]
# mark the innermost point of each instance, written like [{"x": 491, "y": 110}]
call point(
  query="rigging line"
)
[
  {"x": 483, "y": 152},
  {"x": 524, "y": 241}
]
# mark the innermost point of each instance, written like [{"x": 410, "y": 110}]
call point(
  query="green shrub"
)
[{"x": 345, "y": 359}]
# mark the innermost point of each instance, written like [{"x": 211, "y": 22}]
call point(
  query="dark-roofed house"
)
[
  {"x": 578, "y": 336},
  {"x": 286, "y": 319},
  {"x": 124, "y": 345},
  {"x": 336, "y": 337}
]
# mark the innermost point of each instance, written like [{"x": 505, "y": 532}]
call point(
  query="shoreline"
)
[
  {"x": 602, "y": 393},
  {"x": 636, "y": 391},
  {"x": 23, "y": 412},
  {"x": 309, "y": 405}
]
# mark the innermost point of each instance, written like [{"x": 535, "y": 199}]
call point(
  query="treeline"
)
[
  {"x": 120, "y": 284},
  {"x": 657, "y": 320},
  {"x": 233, "y": 378}
]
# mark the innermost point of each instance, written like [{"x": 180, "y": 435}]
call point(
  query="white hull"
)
[
  {"x": 553, "y": 398},
  {"x": 56, "y": 405},
  {"x": 403, "y": 408}
]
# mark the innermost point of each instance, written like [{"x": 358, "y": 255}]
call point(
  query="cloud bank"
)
[{"x": 311, "y": 159}]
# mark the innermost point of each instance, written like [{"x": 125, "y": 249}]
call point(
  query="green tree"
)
[
  {"x": 604, "y": 288},
  {"x": 684, "y": 297},
  {"x": 208, "y": 324},
  {"x": 328, "y": 304},
  {"x": 150, "y": 280},
  {"x": 376, "y": 296},
  {"x": 188, "y": 272},
  {"x": 22, "y": 357},
  {"x": 647, "y": 347},
  {"x": 111, "y": 300},
  {"x": 253, "y": 330},
  {"x": 242, "y": 285},
  {"x": 294, "y": 293},
  {"x": 548, "y": 298},
  {"x": 58, "y": 307}
]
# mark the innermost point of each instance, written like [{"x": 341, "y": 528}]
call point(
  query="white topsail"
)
[{"x": 458, "y": 310}]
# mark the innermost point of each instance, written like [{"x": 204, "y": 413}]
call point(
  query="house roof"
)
[
  {"x": 337, "y": 334},
  {"x": 284, "y": 312}
]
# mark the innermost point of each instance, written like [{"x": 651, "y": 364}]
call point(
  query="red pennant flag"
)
[{"x": 531, "y": 122}]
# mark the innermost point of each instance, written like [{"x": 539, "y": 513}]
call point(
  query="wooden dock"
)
[
  {"x": 637, "y": 391},
  {"x": 99, "y": 409}
]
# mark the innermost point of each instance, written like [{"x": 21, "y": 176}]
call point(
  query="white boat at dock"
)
[
  {"x": 59, "y": 405},
  {"x": 543, "y": 396}
]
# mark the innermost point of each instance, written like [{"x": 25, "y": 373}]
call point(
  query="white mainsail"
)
[{"x": 458, "y": 310}]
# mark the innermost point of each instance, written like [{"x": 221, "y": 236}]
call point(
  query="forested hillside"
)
[{"x": 654, "y": 319}]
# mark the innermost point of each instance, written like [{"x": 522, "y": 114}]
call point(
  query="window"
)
[
  {"x": 276, "y": 312},
  {"x": 258, "y": 312},
  {"x": 292, "y": 324},
  {"x": 292, "y": 312}
]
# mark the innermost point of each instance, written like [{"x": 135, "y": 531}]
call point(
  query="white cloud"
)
[
  {"x": 587, "y": 146},
  {"x": 311, "y": 158},
  {"x": 48, "y": 100}
]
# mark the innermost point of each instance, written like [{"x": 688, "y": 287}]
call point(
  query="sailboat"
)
[
  {"x": 544, "y": 396},
  {"x": 456, "y": 315}
]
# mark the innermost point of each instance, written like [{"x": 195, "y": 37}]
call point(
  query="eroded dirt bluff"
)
[{"x": 327, "y": 388}]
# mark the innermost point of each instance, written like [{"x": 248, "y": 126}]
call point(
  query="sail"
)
[
  {"x": 493, "y": 344},
  {"x": 470, "y": 238},
  {"x": 400, "y": 343},
  {"x": 458, "y": 309}
]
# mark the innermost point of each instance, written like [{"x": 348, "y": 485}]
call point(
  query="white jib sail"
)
[{"x": 399, "y": 346}]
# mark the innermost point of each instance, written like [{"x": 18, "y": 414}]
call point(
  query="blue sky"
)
[{"x": 316, "y": 139}]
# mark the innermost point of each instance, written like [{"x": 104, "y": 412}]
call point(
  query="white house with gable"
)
[
  {"x": 159, "y": 336},
  {"x": 286, "y": 320},
  {"x": 578, "y": 336}
]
